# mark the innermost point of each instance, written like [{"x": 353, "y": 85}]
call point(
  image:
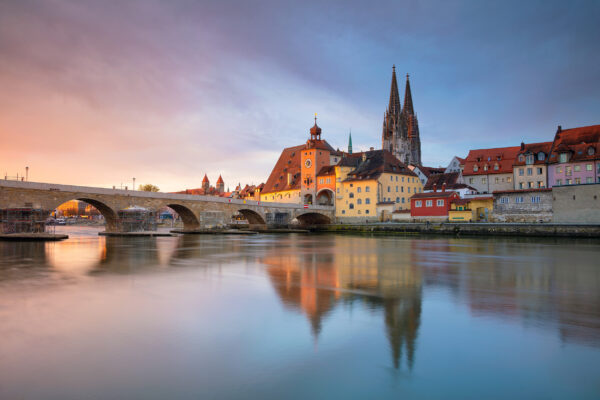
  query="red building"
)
[{"x": 434, "y": 204}]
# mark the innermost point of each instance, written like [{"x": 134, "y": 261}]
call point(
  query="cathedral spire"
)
[
  {"x": 408, "y": 104},
  {"x": 350, "y": 142},
  {"x": 394, "y": 105}
]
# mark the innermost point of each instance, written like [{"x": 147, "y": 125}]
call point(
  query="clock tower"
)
[{"x": 315, "y": 155}]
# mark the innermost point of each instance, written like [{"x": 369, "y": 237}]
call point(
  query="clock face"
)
[{"x": 308, "y": 163}]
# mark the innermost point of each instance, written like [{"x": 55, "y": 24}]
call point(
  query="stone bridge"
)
[{"x": 194, "y": 210}]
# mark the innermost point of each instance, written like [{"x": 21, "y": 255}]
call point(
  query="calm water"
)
[{"x": 299, "y": 316}]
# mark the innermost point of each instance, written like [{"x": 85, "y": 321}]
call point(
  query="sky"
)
[{"x": 98, "y": 92}]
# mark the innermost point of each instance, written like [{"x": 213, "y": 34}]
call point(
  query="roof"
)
[
  {"x": 376, "y": 163},
  {"x": 428, "y": 171},
  {"x": 205, "y": 179},
  {"x": 577, "y": 142},
  {"x": 498, "y": 160},
  {"x": 535, "y": 149},
  {"x": 461, "y": 202},
  {"x": 433, "y": 195},
  {"x": 450, "y": 179},
  {"x": 288, "y": 163},
  {"x": 327, "y": 170},
  {"x": 220, "y": 180},
  {"x": 319, "y": 144},
  {"x": 350, "y": 160}
]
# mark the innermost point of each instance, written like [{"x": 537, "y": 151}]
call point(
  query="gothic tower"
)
[{"x": 400, "y": 127}]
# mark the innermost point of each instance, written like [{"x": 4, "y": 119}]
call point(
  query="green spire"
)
[{"x": 350, "y": 143}]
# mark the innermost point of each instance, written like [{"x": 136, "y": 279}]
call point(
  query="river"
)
[{"x": 299, "y": 316}]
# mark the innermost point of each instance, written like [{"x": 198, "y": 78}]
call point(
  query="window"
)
[
  {"x": 535, "y": 199},
  {"x": 403, "y": 200},
  {"x": 396, "y": 178},
  {"x": 359, "y": 201},
  {"x": 509, "y": 179},
  {"x": 471, "y": 180},
  {"x": 521, "y": 158},
  {"x": 589, "y": 167},
  {"x": 320, "y": 181},
  {"x": 343, "y": 211},
  {"x": 402, "y": 189},
  {"x": 440, "y": 203},
  {"x": 589, "y": 179},
  {"x": 568, "y": 171},
  {"x": 562, "y": 157},
  {"x": 497, "y": 180},
  {"x": 359, "y": 211},
  {"x": 504, "y": 200},
  {"x": 396, "y": 189},
  {"x": 328, "y": 180},
  {"x": 351, "y": 195},
  {"x": 388, "y": 189},
  {"x": 485, "y": 167},
  {"x": 541, "y": 184},
  {"x": 519, "y": 199},
  {"x": 558, "y": 182},
  {"x": 530, "y": 185},
  {"x": 358, "y": 189},
  {"x": 367, "y": 201},
  {"x": 540, "y": 171},
  {"x": 408, "y": 189},
  {"x": 577, "y": 168},
  {"x": 368, "y": 189},
  {"x": 569, "y": 181},
  {"x": 521, "y": 171},
  {"x": 529, "y": 171},
  {"x": 541, "y": 156},
  {"x": 351, "y": 206},
  {"x": 496, "y": 167},
  {"x": 402, "y": 179},
  {"x": 338, "y": 190},
  {"x": 351, "y": 185},
  {"x": 591, "y": 151},
  {"x": 559, "y": 170},
  {"x": 520, "y": 185},
  {"x": 418, "y": 203},
  {"x": 529, "y": 159},
  {"x": 484, "y": 180},
  {"x": 428, "y": 203},
  {"x": 475, "y": 168},
  {"x": 578, "y": 181},
  {"x": 397, "y": 199},
  {"x": 366, "y": 211}
]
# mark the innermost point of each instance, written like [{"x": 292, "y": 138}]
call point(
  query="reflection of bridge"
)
[{"x": 192, "y": 209}]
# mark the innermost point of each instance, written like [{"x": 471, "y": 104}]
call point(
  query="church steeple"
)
[
  {"x": 350, "y": 143},
  {"x": 408, "y": 104},
  {"x": 394, "y": 105}
]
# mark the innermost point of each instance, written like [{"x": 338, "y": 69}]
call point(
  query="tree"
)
[{"x": 148, "y": 187}]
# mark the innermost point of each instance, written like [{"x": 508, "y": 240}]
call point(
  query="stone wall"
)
[
  {"x": 576, "y": 204},
  {"x": 523, "y": 206}
]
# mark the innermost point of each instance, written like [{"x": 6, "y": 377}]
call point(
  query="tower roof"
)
[
  {"x": 394, "y": 105},
  {"x": 350, "y": 143},
  {"x": 220, "y": 180},
  {"x": 408, "y": 104},
  {"x": 205, "y": 179},
  {"x": 315, "y": 131}
]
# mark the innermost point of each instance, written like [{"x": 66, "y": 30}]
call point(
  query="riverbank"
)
[{"x": 470, "y": 229}]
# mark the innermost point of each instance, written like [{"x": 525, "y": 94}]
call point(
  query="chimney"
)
[
  {"x": 558, "y": 131},
  {"x": 444, "y": 187},
  {"x": 435, "y": 187},
  {"x": 522, "y": 146}
]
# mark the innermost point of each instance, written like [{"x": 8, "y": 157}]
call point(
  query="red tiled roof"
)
[
  {"x": 503, "y": 157},
  {"x": 205, "y": 179},
  {"x": 535, "y": 149},
  {"x": 288, "y": 162},
  {"x": 577, "y": 142},
  {"x": 378, "y": 162},
  {"x": 428, "y": 171},
  {"x": 450, "y": 179},
  {"x": 433, "y": 195},
  {"x": 327, "y": 170}
]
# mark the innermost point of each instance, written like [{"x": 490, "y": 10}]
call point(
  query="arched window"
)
[{"x": 351, "y": 206}]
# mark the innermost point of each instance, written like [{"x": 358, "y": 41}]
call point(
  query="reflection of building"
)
[{"x": 314, "y": 280}]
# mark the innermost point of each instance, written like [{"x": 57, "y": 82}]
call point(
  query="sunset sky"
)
[{"x": 97, "y": 92}]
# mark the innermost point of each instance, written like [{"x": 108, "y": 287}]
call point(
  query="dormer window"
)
[
  {"x": 499, "y": 158},
  {"x": 521, "y": 158},
  {"x": 489, "y": 158},
  {"x": 475, "y": 168},
  {"x": 496, "y": 167},
  {"x": 563, "y": 157},
  {"x": 591, "y": 151},
  {"x": 485, "y": 167},
  {"x": 541, "y": 156},
  {"x": 529, "y": 159}
]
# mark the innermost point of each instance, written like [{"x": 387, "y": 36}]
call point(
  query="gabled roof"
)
[
  {"x": 503, "y": 157},
  {"x": 535, "y": 149},
  {"x": 577, "y": 142},
  {"x": 434, "y": 195},
  {"x": 450, "y": 179},
  {"x": 288, "y": 163},
  {"x": 376, "y": 163}
]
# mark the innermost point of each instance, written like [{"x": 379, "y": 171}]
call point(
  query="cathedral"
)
[{"x": 400, "y": 126}]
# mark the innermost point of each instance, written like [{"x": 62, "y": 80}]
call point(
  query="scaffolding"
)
[
  {"x": 136, "y": 219},
  {"x": 22, "y": 220}
]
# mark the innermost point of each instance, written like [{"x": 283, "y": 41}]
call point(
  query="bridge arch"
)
[
  {"x": 110, "y": 215},
  {"x": 325, "y": 197},
  {"x": 255, "y": 220},
  {"x": 189, "y": 219},
  {"x": 313, "y": 218}
]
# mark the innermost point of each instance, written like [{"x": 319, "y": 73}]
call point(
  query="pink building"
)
[{"x": 575, "y": 156}]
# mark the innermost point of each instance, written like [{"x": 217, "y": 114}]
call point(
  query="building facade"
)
[
  {"x": 400, "y": 126},
  {"x": 432, "y": 205},
  {"x": 530, "y": 170},
  {"x": 490, "y": 170},
  {"x": 575, "y": 157},
  {"x": 530, "y": 205}
]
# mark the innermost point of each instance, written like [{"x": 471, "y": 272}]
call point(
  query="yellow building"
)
[
  {"x": 475, "y": 209},
  {"x": 372, "y": 184}
]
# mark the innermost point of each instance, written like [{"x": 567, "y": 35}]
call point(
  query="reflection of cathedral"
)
[{"x": 314, "y": 279}]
